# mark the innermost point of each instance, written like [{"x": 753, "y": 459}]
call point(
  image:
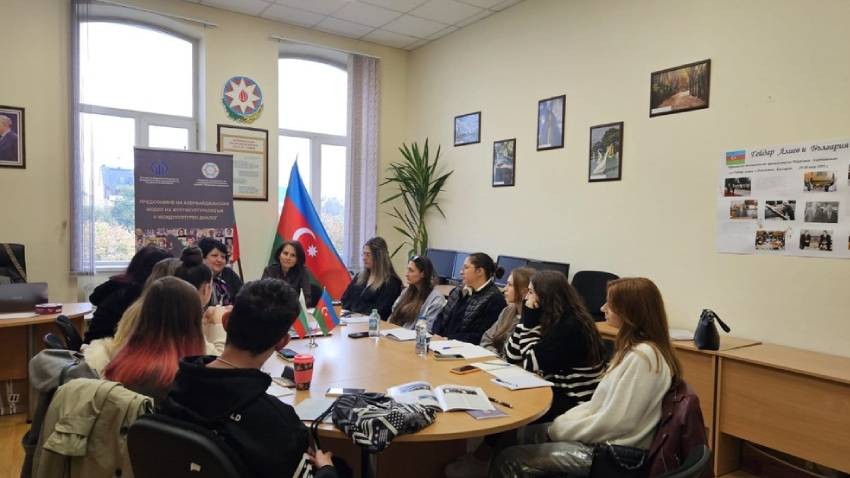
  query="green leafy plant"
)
[{"x": 419, "y": 185}]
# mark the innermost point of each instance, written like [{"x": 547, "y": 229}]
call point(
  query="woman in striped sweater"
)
[{"x": 557, "y": 339}]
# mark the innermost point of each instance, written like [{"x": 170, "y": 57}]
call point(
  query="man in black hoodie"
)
[{"x": 228, "y": 393}]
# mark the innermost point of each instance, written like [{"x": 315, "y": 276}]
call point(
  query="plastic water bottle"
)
[
  {"x": 422, "y": 338},
  {"x": 374, "y": 318}
]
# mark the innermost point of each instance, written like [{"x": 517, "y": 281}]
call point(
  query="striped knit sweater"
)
[{"x": 560, "y": 357}]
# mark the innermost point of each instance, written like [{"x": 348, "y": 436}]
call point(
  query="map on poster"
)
[{"x": 791, "y": 200}]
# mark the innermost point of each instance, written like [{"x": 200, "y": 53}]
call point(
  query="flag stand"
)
[{"x": 312, "y": 343}]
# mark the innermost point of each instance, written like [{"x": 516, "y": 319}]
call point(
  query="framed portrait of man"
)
[{"x": 12, "y": 137}]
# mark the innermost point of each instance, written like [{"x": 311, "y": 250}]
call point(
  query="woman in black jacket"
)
[
  {"x": 291, "y": 268},
  {"x": 474, "y": 305},
  {"x": 113, "y": 297},
  {"x": 226, "y": 283},
  {"x": 377, "y": 286}
]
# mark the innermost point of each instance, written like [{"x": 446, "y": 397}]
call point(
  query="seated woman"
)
[
  {"x": 290, "y": 267},
  {"x": 194, "y": 271},
  {"x": 226, "y": 283},
  {"x": 626, "y": 406},
  {"x": 377, "y": 286},
  {"x": 517, "y": 286},
  {"x": 113, "y": 297},
  {"x": 168, "y": 329},
  {"x": 473, "y": 306},
  {"x": 420, "y": 298}
]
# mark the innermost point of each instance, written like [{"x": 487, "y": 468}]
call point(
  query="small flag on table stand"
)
[{"x": 325, "y": 314}]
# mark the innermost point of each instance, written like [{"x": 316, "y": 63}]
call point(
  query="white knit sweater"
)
[{"x": 626, "y": 406}]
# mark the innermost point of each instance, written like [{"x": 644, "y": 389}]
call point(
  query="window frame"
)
[{"x": 142, "y": 119}]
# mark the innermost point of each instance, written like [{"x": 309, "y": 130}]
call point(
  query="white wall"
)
[
  {"x": 779, "y": 74},
  {"x": 35, "y": 75}
]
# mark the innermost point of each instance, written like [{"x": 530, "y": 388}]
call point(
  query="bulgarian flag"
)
[
  {"x": 300, "y": 222},
  {"x": 325, "y": 314},
  {"x": 301, "y": 324}
]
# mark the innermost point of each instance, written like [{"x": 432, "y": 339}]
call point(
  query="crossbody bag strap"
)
[{"x": 15, "y": 262}]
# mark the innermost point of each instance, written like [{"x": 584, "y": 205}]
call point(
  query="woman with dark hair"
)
[
  {"x": 168, "y": 329},
  {"x": 420, "y": 298},
  {"x": 226, "y": 283},
  {"x": 113, "y": 297},
  {"x": 291, "y": 267},
  {"x": 517, "y": 286},
  {"x": 626, "y": 406},
  {"x": 474, "y": 305},
  {"x": 377, "y": 286},
  {"x": 193, "y": 270}
]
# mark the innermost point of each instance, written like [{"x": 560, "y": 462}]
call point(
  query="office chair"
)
[
  {"x": 164, "y": 447},
  {"x": 51, "y": 341},
  {"x": 69, "y": 333},
  {"x": 592, "y": 286},
  {"x": 13, "y": 262},
  {"x": 695, "y": 464}
]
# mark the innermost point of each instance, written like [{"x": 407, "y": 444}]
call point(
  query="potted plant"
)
[{"x": 419, "y": 185}]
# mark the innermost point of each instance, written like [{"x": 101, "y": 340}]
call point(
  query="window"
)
[
  {"x": 136, "y": 88},
  {"x": 313, "y": 128}
]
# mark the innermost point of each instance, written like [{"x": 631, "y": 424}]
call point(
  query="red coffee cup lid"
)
[{"x": 303, "y": 358}]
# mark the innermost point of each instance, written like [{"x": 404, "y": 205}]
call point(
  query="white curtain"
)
[{"x": 362, "y": 201}]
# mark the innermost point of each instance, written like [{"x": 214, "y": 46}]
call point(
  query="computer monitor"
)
[
  {"x": 508, "y": 263},
  {"x": 457, "y": 266},
  {"x": 550, "y": 266},
  {"x": 443, "y": 261}
]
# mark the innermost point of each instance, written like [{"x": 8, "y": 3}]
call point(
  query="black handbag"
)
[
  {"x": 617, "y": 461},
  {"x": 706, "y": 336}
]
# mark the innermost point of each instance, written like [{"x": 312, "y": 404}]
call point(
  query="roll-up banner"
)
[{"x": 182, "y": 196}]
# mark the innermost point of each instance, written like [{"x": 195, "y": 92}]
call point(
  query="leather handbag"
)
[
  {"x": 706, "y": 336},
  {"x": 617, "y": 461}
]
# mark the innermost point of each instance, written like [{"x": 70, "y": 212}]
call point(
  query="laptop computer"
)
[{"x": 22, "y": 297}]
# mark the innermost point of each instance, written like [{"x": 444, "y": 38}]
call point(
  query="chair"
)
[
  {"x": 12, "y": 266},
  {"x": 164, "y": 447},
  {"x": 69, "y": 333},
  {"x": 592, "y": 286},
  {"x": 51, "y": 341},
  {"x": 695, "y": 464}
]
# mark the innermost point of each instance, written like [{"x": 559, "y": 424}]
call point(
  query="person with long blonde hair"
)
[
  {"x": 626, "y": 406},
  {"x": 377, "y": 286}
]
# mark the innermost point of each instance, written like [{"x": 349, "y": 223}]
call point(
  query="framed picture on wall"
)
[
  {"x": 250, "y": 149},
  {"x": 12, "y": 154},
  {"x": 550, "y": 123},
  {"x": 605, "y": 156},
  {"x": 468, "y": 129},
  {"x": 679, "y": 89},
  {"x": 504, "y": 162}
]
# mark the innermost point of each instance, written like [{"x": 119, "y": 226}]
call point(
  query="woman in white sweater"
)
[{"x": 626, "y": 406}]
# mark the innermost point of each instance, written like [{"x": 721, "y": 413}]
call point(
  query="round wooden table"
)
[{"x": 379, "y": 364}]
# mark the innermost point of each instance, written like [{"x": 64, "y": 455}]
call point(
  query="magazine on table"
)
[{"x": 446, "y": 397}]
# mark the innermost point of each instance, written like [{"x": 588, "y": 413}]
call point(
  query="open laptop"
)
[{"x": 22, "y": 297}]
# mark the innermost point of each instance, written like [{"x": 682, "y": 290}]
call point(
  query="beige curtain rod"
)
[
  {"x": 301, "y": 42},
  {"x": 169, "y": 15}
]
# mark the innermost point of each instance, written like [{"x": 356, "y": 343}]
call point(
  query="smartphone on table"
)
[
  {"x": 339, "y": 391},
  {"x": 358, "y": 335},
  {"x": 464, "y": 369},
  {"x": 287, "y": 354}
]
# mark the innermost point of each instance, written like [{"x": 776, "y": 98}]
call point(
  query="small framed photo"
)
[
  {"x": 679, "y": 89},
  {"x": 504, "y": 162},
  {"x": 550, "y": 123},
  {"x": 12, "y": 153},
  {"x": 606, "y": 152},
  {"x": 468, "y": 129}
]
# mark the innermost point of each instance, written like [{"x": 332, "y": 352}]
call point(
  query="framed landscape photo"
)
[
  {"x": 250, "y": 150},
  {"x": 504, "y": 162},
  {"x": 12, "y": 153},
  {"x": 550, "y": 123},
  {"x": 468, "y": 129},
  {"x": 679, "y": 89},
  {"x": 605, "y": 156}
]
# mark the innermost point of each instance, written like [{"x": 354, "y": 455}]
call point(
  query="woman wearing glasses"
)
[
  {"x": 377, "y": 286},
  {"x": 420, "y": 298}
]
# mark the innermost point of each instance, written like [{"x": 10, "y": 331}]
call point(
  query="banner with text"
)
[
  {"x": 791, "y": 200},
  {"x": 182, "y": 196}
]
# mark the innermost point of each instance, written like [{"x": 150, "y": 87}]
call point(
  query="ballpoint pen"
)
[{"x": 504, "y": 404}]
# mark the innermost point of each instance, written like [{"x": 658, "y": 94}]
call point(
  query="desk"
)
[
  {"x": 699, "y": 369},
  {"x": 788, "y": 399},
  {"x": 20, "y": 339},
  {"x": 377, "y": 365}
]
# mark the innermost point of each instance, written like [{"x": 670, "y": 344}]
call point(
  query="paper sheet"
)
[{"x": 311, "y": 408}]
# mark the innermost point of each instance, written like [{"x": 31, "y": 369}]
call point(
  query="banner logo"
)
[
  {"x": 159, "y": 168},
  {"x": 210, "y": 170}
]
